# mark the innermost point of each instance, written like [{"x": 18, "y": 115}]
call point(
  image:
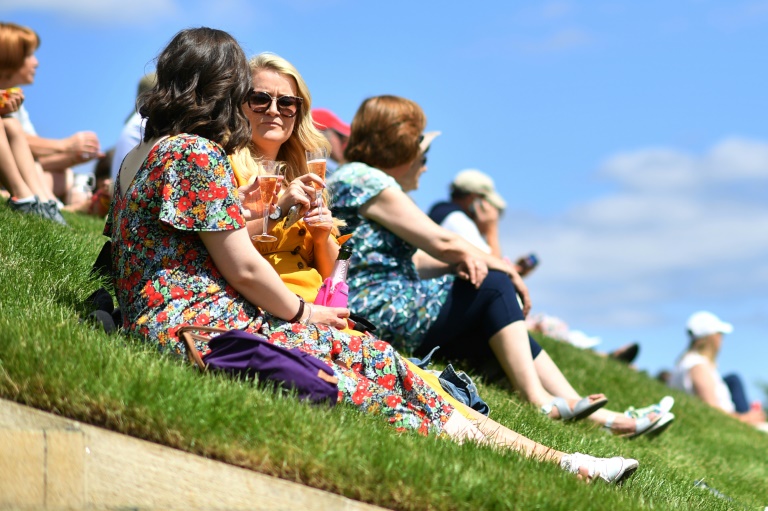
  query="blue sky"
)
[{"x": 629, "y": 138}]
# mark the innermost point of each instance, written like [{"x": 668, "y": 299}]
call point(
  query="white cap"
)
[
  {"x": 474, "y": 181},
  {"x": 704, "y": 323}
]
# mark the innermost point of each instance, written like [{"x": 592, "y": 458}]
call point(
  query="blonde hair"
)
[
  {"x": 245, "y": 162},
  {"x": 304, "y": 136}
]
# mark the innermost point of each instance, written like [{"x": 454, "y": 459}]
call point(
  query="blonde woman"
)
[{"x": 696, "y": 372}]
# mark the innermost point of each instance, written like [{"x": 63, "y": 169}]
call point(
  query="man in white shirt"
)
[
  {"x": 133, "y": 129},
  {"x": 474, "y": 211}
]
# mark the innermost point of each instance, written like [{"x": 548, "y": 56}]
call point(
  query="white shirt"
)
[
  {"x": 460, "y": 223},
  {"x": 681, "y": 379},
  {"x": 130, "y": 136},
  {"x": 26, "y": 123}
]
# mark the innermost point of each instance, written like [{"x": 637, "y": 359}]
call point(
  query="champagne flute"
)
[
  {"x": 316, "y": 162},
  {"x": 272, "y": 174}
]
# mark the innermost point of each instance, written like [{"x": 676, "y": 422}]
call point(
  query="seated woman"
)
[
  {"x": 696, "y": 372},
  {"x": 183, "y": 256},
  {"x": 403, "y": 269},
  {"x": 18, "y": 172}
]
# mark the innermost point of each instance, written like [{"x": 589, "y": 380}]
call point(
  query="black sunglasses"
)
[{"x": 260, "y": 102}]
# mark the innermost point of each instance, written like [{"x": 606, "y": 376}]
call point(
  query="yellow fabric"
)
[
  {"x": 291, "y": 257},
  {"x": 434, "y": 382}
]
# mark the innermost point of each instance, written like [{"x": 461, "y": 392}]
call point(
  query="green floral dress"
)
[
  {"x": 165, "y": 278},
  {"x": 384, "y": 285}
]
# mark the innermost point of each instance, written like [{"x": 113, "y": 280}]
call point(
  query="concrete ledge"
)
[{"x": 48, "y": 462}]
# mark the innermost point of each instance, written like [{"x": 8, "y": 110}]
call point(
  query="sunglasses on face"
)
[
  {"x": 260, "y": 102},
  {"x": 424, "y": 156}
]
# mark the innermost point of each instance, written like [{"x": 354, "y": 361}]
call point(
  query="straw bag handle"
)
[{"x": 186, "y": 335}]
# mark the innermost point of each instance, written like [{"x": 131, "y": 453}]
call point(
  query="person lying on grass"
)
[{"x": 182, "y": 254}]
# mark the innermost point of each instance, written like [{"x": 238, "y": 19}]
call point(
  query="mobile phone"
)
[
  {"x": 474, "y": 206},
  {"x": 293, "y": 216},
  {"x": 528, "y": 262}
]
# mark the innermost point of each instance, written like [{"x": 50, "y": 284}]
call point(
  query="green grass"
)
[{"x": 51, "y": 361}]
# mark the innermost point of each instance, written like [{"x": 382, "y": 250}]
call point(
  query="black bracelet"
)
[{"x": 298, "y": 315}]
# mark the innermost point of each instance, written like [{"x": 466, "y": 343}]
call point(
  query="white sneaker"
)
[{"x": 611, "y": 470}]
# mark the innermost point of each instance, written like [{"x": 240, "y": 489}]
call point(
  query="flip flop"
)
[
  {"x": 644, "y": 425},
  {"x": 583, "y": 408}
]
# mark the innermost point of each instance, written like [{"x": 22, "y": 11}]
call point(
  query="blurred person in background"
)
[
  {"x": 696, "y": 371},
  {"x": 133, "y": 129},
  {"x": 425, "y": 286},
  {"x": 55, "y": 156},
  {"x": 473, "y": 212},
  {"x": 19, "y": 174},
  {"x": 335, "y": 131}
]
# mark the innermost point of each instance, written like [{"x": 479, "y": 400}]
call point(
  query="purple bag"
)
[{"x": 243, "y": 354}]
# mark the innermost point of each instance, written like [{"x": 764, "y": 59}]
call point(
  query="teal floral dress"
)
[
  {"x": 384, "y": 285},
  {"x": 165, "y": 278}
]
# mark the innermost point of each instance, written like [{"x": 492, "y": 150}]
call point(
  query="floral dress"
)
[
  {"x": 165, "y": 279},
  {"x": 384, "y": 285}
]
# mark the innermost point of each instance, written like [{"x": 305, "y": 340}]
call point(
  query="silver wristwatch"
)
[{"x": 277, "y": 215}]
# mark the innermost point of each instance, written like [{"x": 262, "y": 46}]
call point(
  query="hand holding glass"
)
[
  {"x": 316, "y": 162},
  {"x": 272, "y": 174}
]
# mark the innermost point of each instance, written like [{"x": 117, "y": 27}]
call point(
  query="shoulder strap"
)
[{"x": 186, "y": 335}]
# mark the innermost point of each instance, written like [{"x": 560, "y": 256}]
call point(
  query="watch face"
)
[{"x": 277, "y": 214}]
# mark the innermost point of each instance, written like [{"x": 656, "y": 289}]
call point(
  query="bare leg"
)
[
  {"x": 485, "y": 430},
  {"x": 9, "y": 172},
  {"x": 511, "y": 347},
  {"x": 61, "y": 184},
  {"x": 24, "y": 159},
  {"x": 555, "y": 382}
]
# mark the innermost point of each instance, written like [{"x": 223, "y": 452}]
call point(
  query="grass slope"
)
[{"x": 49, "y": 360}]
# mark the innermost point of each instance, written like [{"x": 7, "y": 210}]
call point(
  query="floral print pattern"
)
[
  {"x": 165, "y": 279},
  {"x": 384, "y": 285}
]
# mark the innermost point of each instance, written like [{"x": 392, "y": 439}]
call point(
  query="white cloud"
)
[
  {"x": 680, "y": 226},
  {"x": 113, "y": 11},
  {"x": 661, "y": 170}
]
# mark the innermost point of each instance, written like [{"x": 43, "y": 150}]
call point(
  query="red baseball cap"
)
[{"x": 324, "y": 119}]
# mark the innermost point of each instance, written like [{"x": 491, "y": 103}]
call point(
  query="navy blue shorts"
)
[{"x": 470, "y": 317}]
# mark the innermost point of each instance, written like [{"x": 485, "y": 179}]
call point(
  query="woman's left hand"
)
[
  {"x": 10, "y": 100},
  {"x": 473, "y": 270},
  {"x": 333, "y": 316},
  {"x": 300, "y": 192},
  {"x": 522, "y": 291},
  {"x": 319, "y": 229},
  {"x": 250, "y": 198}
]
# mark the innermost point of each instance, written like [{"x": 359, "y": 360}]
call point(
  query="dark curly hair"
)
[
  {"x": 385, "y": 132},
  {"x": 202, "y": 81}
]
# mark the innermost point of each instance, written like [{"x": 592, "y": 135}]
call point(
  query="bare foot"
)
[{"x": 623, "y": 425}]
